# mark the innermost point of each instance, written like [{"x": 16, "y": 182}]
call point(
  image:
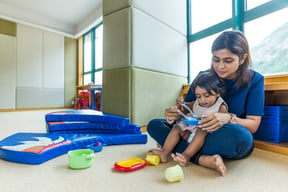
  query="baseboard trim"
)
[
  {"x": 281, "y": 148},
  {"x": 33, "y": 109}
]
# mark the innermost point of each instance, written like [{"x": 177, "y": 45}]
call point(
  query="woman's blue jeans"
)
[{"x": 232, "y": 141}]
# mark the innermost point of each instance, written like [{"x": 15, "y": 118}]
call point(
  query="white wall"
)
[
  {"x": 40, "y": 68},
  {"x": 8, "y": 71},
  {"x": 157, "y": 46},
  {"x": 169, "y": 12},
  {"x": 53, "y": 60},
  {"x": 29, "y": 56}
]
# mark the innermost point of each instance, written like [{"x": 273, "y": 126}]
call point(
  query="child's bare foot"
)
[
  {"x": 160, "y": 152},
  {"x": 180, "y": 158},
  {"x": 213, "y": 162}
]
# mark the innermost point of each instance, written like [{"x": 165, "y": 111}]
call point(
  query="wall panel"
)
[
  {"x": 7, "y": 71},
  {"x": 110, "y": 6},
  {"x": 29, "y": 56},
  {"x": 39, "y": 98},
  {"x": 175, "y": 19},
  {"x": 116, "y": 38},
  {"x": 157, "y": 47},
  {"x": 152, "y": 92},
  {"x": 53, "y": 60},
  {"x": 40, "y": 68}
]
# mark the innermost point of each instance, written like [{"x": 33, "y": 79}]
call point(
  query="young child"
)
[{"x": 208, "y": 89}]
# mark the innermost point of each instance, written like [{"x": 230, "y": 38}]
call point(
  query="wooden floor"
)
[{"x": 281, "y": 148}]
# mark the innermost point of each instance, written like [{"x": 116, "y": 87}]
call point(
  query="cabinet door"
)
[
  {"x": 29, "y": 57},
  {"x": 53, "y": 60},
  {"x": 7, "y": 71},
  {"x": 40, "y": 68}
]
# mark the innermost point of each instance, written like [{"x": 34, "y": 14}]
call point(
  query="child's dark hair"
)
[{"x": 210, "y": 82}]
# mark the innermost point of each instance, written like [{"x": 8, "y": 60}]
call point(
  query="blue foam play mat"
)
[
  {"x": 70, "y": 130},
  {"x": 90, "y": 127},
  {"x": 86, "y": 115},
  {"x": 36, "y": 148}
]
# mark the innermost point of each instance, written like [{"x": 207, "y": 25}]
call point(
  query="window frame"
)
[{"x": 94, "y": 69}]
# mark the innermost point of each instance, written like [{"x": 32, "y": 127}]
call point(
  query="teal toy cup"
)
[{"x": 81, "y": 158}]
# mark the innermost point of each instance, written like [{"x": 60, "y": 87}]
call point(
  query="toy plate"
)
[
  {"x": 190, "y": 121},
  {"x": 130, "y": 164}
]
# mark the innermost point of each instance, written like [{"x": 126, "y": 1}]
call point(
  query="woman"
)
[{"x": 230, "y": 134}]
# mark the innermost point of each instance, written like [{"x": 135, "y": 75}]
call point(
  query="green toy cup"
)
[{"x": 80, "y": 158}]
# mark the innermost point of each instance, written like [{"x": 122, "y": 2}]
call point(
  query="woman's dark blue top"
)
[{"x": 242, "y": 101}]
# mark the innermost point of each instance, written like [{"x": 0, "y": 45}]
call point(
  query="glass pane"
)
[
  {"x": 87, "y": 79},
  {"x": 87, "y": 52},
  {"x": 268, "y": 41},
  {"x": 205, "y": 13},
  {"x": 99, "y": 47},
  {"x": 200, "y": 55},
  {"x": 98, "y": 78},
  {"x": 253, "y": 3}
]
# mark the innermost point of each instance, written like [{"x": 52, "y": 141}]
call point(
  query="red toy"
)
[{"x": 130, "y": 164}]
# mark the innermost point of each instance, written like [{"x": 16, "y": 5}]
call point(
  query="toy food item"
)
[{"x": 130, "y": 164}]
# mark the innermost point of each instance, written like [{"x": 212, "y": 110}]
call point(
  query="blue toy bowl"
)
[
  {"x": 96, "y": 147},
  {"x": 191, "y": 121}
]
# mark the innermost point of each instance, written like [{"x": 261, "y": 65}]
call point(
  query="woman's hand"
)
[
  {"x": 214, "y": 121},
  {"x": 172, "y": 114}
]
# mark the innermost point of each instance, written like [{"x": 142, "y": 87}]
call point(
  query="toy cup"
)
[
  {"x": 153, "y": 159},
  {"x": 80, "y": 158},
  {"x": 174, "y": 174}
]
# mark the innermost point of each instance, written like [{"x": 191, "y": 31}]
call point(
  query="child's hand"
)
[
  {"x": 179, "y": 101},
  {"x": 171, "y": 114}
]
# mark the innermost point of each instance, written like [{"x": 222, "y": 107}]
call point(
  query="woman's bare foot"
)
[
  {"x": 213, "y": 162},
  {"x": 161, "y": 153},
  {"x": 180, "y": 158}
]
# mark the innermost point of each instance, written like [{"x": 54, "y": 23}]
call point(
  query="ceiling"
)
[{"x": 68, "y": 17}]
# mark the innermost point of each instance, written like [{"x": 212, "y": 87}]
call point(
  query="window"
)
[
  {"x": 98, "y": 55},
  {"x": 252, "y": 3},
  {"x": 206, "y": 24},
  {"x": 268, "y": 42},
  {"x": 264, "y": 23},
  {"x": 200, "y": 55},
  {"x": 203, "y": 16},
  {"x": 93, "y": 56},
  {"x": 87, "y": 59}
]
